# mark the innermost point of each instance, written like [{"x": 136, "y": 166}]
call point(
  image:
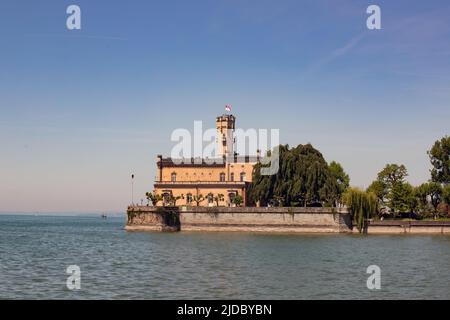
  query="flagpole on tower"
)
[{"x": 132, "y": 189}]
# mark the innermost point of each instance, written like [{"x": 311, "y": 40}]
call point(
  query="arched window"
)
[
  {"x": 210, "y": 198},
  {"x": 173, "y": 177},
  {"x": 231, "y": 197},
  {"x": 222, "y": 177},
  {"x": 166, "y": 198},
  {"x": 242, "y": 176},
  {"x": 189, "y": 198},
  {"x": 232, "y": 176}
]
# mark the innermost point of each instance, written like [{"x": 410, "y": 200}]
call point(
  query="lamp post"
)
[{"x": 132, "y": 191}]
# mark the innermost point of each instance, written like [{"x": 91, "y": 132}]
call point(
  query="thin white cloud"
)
[{"x": 336, "y": 53}]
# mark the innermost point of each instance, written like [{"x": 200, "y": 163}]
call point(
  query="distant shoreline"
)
[{"x": 62, "y": 214}]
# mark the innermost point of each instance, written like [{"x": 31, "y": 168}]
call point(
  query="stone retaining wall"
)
[
  {"x": 263, "y": 219},
  {"x": 249, "y": 219},
  {"x": 412, "y": 227}
]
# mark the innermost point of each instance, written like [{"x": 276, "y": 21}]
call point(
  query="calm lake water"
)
[{"x": 36, "y": 250}]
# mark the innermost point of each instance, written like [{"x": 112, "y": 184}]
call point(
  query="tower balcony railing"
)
[{"x": 237, "y": 183}]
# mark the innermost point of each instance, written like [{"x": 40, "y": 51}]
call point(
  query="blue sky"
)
[{"x": 81, "y": 110}]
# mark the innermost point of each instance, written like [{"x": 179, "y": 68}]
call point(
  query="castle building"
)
[{"x": 229, "y": 175}]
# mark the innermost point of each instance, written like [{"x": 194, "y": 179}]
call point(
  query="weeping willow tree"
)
[
  {"x": 363, "y": 205},
  {"x": 303, "y": 179}
]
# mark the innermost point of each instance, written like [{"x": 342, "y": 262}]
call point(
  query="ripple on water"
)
[{"x": 115, "y": 264}]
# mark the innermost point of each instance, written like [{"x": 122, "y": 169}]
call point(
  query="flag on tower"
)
[{"x": 228, "y": 107}]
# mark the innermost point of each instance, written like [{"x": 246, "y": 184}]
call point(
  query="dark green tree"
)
[
  {"x": 435, "y": 193},
  {"x": 379, "y": 189},
  {"x": 342, "y": 178},
  {"x": 424, "y": 206},
  {"x": 440, "y": 160},
  {"x": 412, "y": 200},
  {"x": 392, "y": 174},
  {"x": 446, "y": 194},
  {"x": 391, "y": 188},
  {"x": 402, "y": 198},
  {"x": 303, "y": 179},
  {"x": 238, "y": 200},
  {"x": 429, "y": 196}
]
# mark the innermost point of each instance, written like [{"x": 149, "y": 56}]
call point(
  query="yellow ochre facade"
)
[{"x": 229, "y": 174}]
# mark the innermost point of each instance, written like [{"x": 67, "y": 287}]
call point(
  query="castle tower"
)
[{"x": 225, "y": 125}]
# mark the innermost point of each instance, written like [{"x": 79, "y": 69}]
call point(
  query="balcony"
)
[{"x": 229, "y": 184}]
